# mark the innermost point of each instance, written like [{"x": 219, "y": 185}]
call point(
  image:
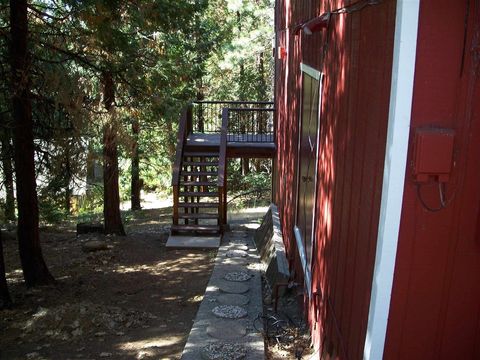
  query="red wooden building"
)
[{"x": 377, "y": 174}]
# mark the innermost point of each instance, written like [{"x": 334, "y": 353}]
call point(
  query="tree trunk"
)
[
  {"x": 258, "y": 166},
  {"x": 7, "y": 154},
  {"x": 5, "y": 300},
  {"x": 262, "y": 81},
  {"x": 136, "y": 184},
  {"x": 244, "y": 162},
  {"x": 245, "y": 166},
  {"x": 68, "y": 180},
  {"x": 171, "y": 141},
  {"x": 111, "y": 192},
  {"x": 34, "y": 268}
]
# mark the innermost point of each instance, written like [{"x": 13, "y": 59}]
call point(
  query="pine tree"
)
[
  {"x": 35, "y": 270},
  {"x": 5, "y": 300}
]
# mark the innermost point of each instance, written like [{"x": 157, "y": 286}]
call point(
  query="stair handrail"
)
[
  {"x": 183, "y": 130},
  {"x": 185, "y": 120}
]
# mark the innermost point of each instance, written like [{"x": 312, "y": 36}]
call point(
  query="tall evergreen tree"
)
[
  {"x": 7, "y": 167},
  {"x": 35, "y": 270},
  {"x": 135, "y": 182},
  {"x": 5, "y": 300}
]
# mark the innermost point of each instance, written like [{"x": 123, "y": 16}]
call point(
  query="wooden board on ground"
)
[
  {"x": 269, "y": 243},
  {"x": 193, "y": 242}
]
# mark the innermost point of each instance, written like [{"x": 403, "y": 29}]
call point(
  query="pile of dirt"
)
[{"x": 286, "y": 333}]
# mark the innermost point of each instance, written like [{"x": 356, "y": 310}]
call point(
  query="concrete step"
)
[{"x": 195, "y": 228}]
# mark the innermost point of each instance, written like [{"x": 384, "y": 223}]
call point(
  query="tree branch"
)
[
  {"x": 39, "y": 14},
  {"x": 73, "y": 55}
]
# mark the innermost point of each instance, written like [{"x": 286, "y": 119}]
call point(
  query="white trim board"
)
[
  {"x": 314, "y": 73},
  {"x": 403, "y": 72}
]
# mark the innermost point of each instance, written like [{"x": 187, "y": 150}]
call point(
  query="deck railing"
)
[
  {"x": 250, "y": 125},
  {"x": 207, "y": 115}
]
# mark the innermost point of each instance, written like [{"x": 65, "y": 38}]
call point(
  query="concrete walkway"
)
[{"x": 228, "y": 325}]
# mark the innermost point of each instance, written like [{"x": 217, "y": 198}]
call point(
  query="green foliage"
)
[
  {"x": 3, "y": 218},
  {"x": 161, "y": 54},
  {"x": 251, "y": 189},
  {"x": 92, "y": 201},
  {"x": 243, "y": 70},
  {"x": 51, "y": 210},
  {"x": 261, "y": 181}
]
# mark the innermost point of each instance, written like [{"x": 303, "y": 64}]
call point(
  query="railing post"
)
[
  {"x": 175, "y": 204},
  {"x": 222, "y": 169},
  {"x": 225, "y": 199},
  {"x": 189, "y": 118},
  {"x": 220, "y": 206},
  {"x": 200, "y": 118}
]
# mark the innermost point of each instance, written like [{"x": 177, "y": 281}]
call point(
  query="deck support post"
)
[
  {"x": 175, "y": 204},
  {"x": 224, "y": 215}
]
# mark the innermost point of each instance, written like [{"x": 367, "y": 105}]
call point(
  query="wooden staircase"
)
[
  {"x": 199, "y": 210},
  {"x": 199, "y": 170},
  {"x": 199, "y": 188}
]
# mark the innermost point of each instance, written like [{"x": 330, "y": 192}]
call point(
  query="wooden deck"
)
[
  {"x": 238, "y": 145},
  {"x": 204, "y": 142}
]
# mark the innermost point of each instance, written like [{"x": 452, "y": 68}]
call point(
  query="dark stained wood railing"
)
[
  {"x": 250, "y": 125},
  {"x": 185, "y": 120},
  {"x": 207, "y": 115}
]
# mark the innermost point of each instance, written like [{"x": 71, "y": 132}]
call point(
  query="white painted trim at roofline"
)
[{"x": 401, "y": 94}]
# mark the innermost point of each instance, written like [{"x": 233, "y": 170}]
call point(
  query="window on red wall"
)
[{"x": 307, "y": 167}]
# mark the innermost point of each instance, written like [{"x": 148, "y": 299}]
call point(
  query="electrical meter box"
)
[{"x": 433, "y": 154}]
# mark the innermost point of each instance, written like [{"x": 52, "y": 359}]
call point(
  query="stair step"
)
[
  {"x": 198, "y": 216},
  {"x": 200, "y": 154},
  {"x": 200, "y": 163},
  {"x": 198, "y": 173},
  {"x": 198, "y": 205},
  {"x": 199, "y": 228},
  {"x": 197, "y": 183},
  {"x": 198, "y": 193}
]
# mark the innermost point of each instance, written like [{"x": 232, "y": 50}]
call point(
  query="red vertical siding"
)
[
  {"x": 435, "y": 305},
  {"x": 352, "y": 146}
]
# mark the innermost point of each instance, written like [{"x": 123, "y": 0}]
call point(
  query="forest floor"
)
[{"x": 133, "y": 300}]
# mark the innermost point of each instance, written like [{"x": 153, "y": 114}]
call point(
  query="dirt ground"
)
[
  {"x": 133, "y": 300},
  {"x": 286, "y": 334}
]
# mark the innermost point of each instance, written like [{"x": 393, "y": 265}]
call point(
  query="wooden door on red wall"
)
[{"x": 307, "y": 167}]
